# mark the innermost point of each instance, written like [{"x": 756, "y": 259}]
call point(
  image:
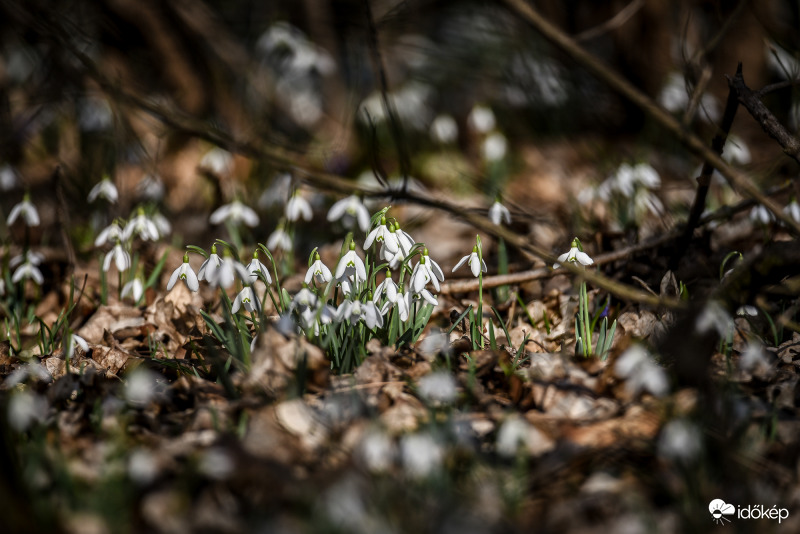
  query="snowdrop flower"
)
[
  {"x": 134, "y": 288},
  {"x": 26, "y": 408},
  {"x": 224, "y": 275},
  {"x": 27, "y": 210},
  {"x": 312, "y": 319},
  {"x": 236, "y": 213},
  {"x": 499, "y": 213},
  {"x": 141, "y": 225},
  {"x": 425, "y": 271},
  {"x": 303, "y": 300},
  {"x": 217, "y": 160},
  {"x": 112, "y": 232},
  {"x": 209, "y": 267},
  {"x": 481, "y": 119},
  {"x": 279, "y": 239},
  {"x": 28, "y": 270},
  {"x": 715, "y": 317},
  {"x": 444, "y": 130},
  {"x": 351, "y": 267},
  {"x": 354, "y": 208},
  {"x": 276, "y": 192},
  {"x": 427, "y": 296},
  {"x": 387, "y": 287},
  {"x": 793, "y": 210},
  {"x": 404, "y": 240},
  {"x": 761, "y": 214},
  {"x": 400, "y": 302},
  {"x": 354, "y": 311},
  {"x": 185, "y": 273},
  {"x": 681, "y": 441},
  {"x": 162, "y": 224},
  {"x": 494, "y": 147},
  {"x": 104, "y": 189},
  {"x": 255, "y": 266},
  {"x": 318, "y": 272},
  {"x": 437, "y": 388},
  {"x": 371, "y": 315},
  {"x": 575, "y": 255},
  {"x": 121, "y": 258},
  {"x": 74, "y": 339},
  {"x": 298, "y": 207},
  {"x": 8, "y": 178},
  {"x": 736, "y": 151},
  {"x": 641, "y": 372},
  {"x": 474, "y": 261},
  {"x": 747, "y": 309},
  {"x": 30, "y": 256},
  {"x": 382, "y": 234},
  {"x": 151, "y": 188},
  {"x": 421, "y": 454},
  {"x": 248, "y": 299}
]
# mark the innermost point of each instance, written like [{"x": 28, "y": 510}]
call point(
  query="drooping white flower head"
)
[
  {"x": 353, "y": 208},
  {"x": 318, "y": 271},
  {"x": 444, "y": 130},
  {"x": 351, "y": 267},
  {"x": 104, "y": 189},
  {"x": 736, "y": 151},
  {"x": 185, "y": 273},
  {"x": 26, "y": 271},
  {"x": 494, "y": 147},
  {"x": 475, "y": 262},
  {"x": 217, "y": 160},
  {"x": 421, "y": 454},
  {"x": 255, "y": 266},
  {"x": 74, "y": 339},
  {"x": 388, "y": 288},
  {"x": 481, "y": 119},
  {"x": 793, "y": 210},
  {"x": 111, "y": 233},
  {"x": 120, "y": 257},
  {"x": 575, "y": 255},
  {"x": 298, "y": 207},
  {"x": 208, "y": 268},
  {"x": 134, "y": 288},
  {"x": 641, "y": 372},
  {"x": 438, "y": 388},
  {"x": 499, "y": 213},
  {"x": 26, "y": 210},
  {"x": 248, "y": 299},
  {"x": 279, "y": 239},
  {"x": 382, "y": 234},
  {"x": 151, "y": 187},
  {"x": 761, "y": 215},
  {"x": 236, "y": 213},
  {"x": 226, "y": 273},
  {"x": 401, "y": 303},
  {"x": 142, "y": 226},
  {"x": 305, "y": 298},
  {"x": 8, "y": 178}
]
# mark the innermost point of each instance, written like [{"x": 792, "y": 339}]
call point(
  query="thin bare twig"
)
[{"x": 611, "y": 24}]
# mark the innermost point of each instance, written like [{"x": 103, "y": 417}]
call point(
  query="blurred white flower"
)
[
  {"x": 226, "y": 273},
  {"x": 494, "y": 147},
  {"x": 140, "y": 387},
  {"x": 134, "y": 289},
  {"x": 444, "y": 130},
  {"x": 142, "y": 467},
  {"x": 151, "y": 188},
  {"x": 279, "y": 239},
  {"x": 641, "y": 373},
  {"x": 113, "y": 232},
  {"x": 401, "y": 302},
  {"x": 104, "y": 189},
  {"x": 481, "y": 119},
  {"x": 760, "y": 214},
  {"x": 28, "y": 271},
  {"x": 714, "y": 317},
  {"x": 8, "y": 178},
  {"x": 26, "y": 408},
  {"x": 298, "y": 207},
  {"x": 386, "y": 287},
  {"x": 378, "y": 451},
  {"x": 236, "y": 213},
  {"x": 184, "y": 273},
  {"x": 217, "y": 160},
  {"x": 499, "y": 213},
  {"x": 438, "y": 388},
  {"x": 680, "y": 440},
  {"x": 754, "y": 358},
  {"x": 793, "y": 210},
  {"x": 94, "y": 114},
  {"x": 74, "y": 339},
  {"x": 120, "y": 257},
  {"x": 141, "y": 225},
  {"x": 422, "y": 455},
  {"x": 26, "y": 210},
  {"x": 277, "y": 192},
  {"x": 353, "y": 208}
]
